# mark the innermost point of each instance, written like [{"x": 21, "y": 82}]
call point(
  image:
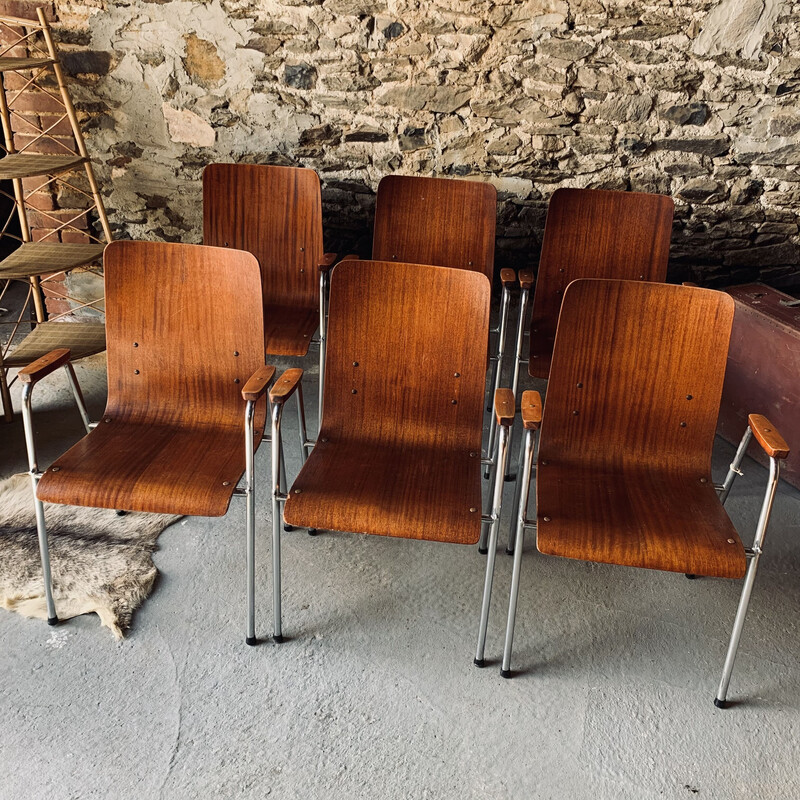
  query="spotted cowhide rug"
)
[{"x": 100, "y": 562}]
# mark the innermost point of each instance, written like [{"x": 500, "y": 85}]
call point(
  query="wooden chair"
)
[
  {"x": 589, "y": 233},
  {"x": 399, "y": 453},
  {"x": 179, "y": 364},
  {"x": 624, "y": 461},
  {"x": 446, "y": 223},
  {"x": 275, "y": 213}
]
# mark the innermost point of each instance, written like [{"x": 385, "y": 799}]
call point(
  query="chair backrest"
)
[
  {"x": 438, "y": 221},
  {"x": 275, "y": 213},
  {"x": 406, "y": 355},
  {"x": 594, "y": 233},
  {"x": 637, "y": 375},
  {"x": 184, "y": 329}
]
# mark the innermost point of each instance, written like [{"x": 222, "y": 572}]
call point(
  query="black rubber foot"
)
[
  {"x": 312, "y": 531},
  {"x": 278, "y": 639},
  {"x": 52, "y": 620},
  {"x": 288, "y": 528},
  {"x": 479, "y": 662},
  {"x": 121, "y": 513},
  {"x": 251, "y": 640},
  {"x": 505, "y": 673},
  {"x": 509, "y": 478},
  {"x": 690, "y": 577},
  {"x": 509, "y": 552},
  {"x": 483, "y": 550},
  {"x": 720, "y": 703}
]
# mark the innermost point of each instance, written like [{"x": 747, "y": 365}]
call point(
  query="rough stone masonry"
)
[{"x": 693, "y": 98}]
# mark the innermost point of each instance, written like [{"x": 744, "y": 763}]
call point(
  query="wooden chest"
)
[{"x": 763, "y": 373}]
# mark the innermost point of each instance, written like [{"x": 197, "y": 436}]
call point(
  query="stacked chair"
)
[
  {"x": 589, "y": 233},
  {"x": 624, "y": 460},
  {"x": 275, "y": 213},
  {"x": 635, "y": 370}
]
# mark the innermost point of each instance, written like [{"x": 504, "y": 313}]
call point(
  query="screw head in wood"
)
[
  {"x": 236, "y": 352},
  {"x": 689, "y": 397},
  {"x": 354, "y": 391},
  {"x": 683, "y": 424},
  {"x": 456, "y": 374},
  {"x": 579, "y": 384},
  {"x": 226, "y": 483},
  {"x": 546, "y": 519},
  {"x": 473, "y": 455},
  {"x": 54, "y": 469},
  {"x": 107, "y": 419},
  {"x": 472, "y": 510},
  {"x": 703, "y": 480},
  {"x": 575, "y": 413},
  {"x": 323, "y": 440},
  {"x": 454, "y": 402},
  {"x": 236, "y": 380},
  {"x": 136, "y": 344},
  {"x": 298, "y": 491},
  {"x": 355, "y": 363},
  {"x": 731, "y": 541},
  {"x": 136, "y": 372}
]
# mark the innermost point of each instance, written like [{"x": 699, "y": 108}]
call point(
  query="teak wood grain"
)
[
  {"x": 171, "y": 438},
  {"x": 594, "y": 233},
  {"x": 400, "y": 447},
  {"x": 439, "y": 221},
  {"x": 43, "y": 366},
  {"x": 768, "y": 436},
  {"x": 624, "y": 466},
  {"x": 275, "y": 213}
]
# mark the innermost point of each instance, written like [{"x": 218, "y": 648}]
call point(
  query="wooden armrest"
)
[
  {"x": 505, "y": 407},
  {"x": 508, "y": 278},
  {"x": 768, "y": 437},
  {"x": 691, "y": 284},
  {"x": 525, "y": 278},
  {"x": 44, "y": 366},
  {"x": 531, "y": 410},
  {"x": 284, "y": 387},
  {"x": 257, "y": 383},
  {"x": 327, "y": 262}
]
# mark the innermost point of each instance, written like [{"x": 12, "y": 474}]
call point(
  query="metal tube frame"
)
[
  {"x": 521, "y": 509},
  {"x": 278, "y": 496},
  {"x": 497, "y": 370},
  {"x": 41, "y": 528},
  {"x": 497, "y": 505},
  {"x": 735, "y": 465},
  {"x": 323, "y": 322},
  {"x": 249, "y": 491},
  {"x": 523, "y": 310},
  {"x": 754, "y": 554}
]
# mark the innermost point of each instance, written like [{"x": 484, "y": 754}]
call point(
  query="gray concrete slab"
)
[{"x": 375, "y": 695}]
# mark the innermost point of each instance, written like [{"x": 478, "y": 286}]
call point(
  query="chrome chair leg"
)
[
  {"x": 497, "y": 506},
  {"x": 249, "y": 445},
  {"x": 734, "y": 470},
  {"x": 523, "y": 310},
  {"x": 521, "y": 485},
  {"x": 301, "y": 424},
  {"x": 78, "y": 395},
  {"x": 498, "y": 369},
  {"x": 521, "y": 509},
  {"x": 720, "y": 700},
  {"x": 41, "y": 528},
  {"x": 277, "y": 494}
]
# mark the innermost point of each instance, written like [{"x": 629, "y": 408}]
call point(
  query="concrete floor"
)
[{"x": 375, "y": 695}]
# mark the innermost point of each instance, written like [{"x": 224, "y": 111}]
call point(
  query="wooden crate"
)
[{"x": 763, "y": 373}]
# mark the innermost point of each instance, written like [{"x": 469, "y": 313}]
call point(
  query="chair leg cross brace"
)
[{"x": 497, "y": 505}]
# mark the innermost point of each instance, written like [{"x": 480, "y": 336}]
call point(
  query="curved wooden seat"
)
[
  {"x": 288, "y": 330},
  {"x": 396, "y": 489},
  {"x": 137, "y": 466},
  {"x": 640, "y": 518}
]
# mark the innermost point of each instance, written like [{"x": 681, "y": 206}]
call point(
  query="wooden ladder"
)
[{"x": 39, "y": 147}]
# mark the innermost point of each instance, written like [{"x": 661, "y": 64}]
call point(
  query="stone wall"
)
[{"x": 694, "y": 98}]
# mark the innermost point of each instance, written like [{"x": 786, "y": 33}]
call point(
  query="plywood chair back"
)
[
  {"x": 594, "y": 233},
  {"x": 636, "y": 378},
  {"x": 438, "y": 221},
  {"x": 274, "y": 213},
  {"x": 395, "y": 370},
  {"x": 184, "y": 326}
]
